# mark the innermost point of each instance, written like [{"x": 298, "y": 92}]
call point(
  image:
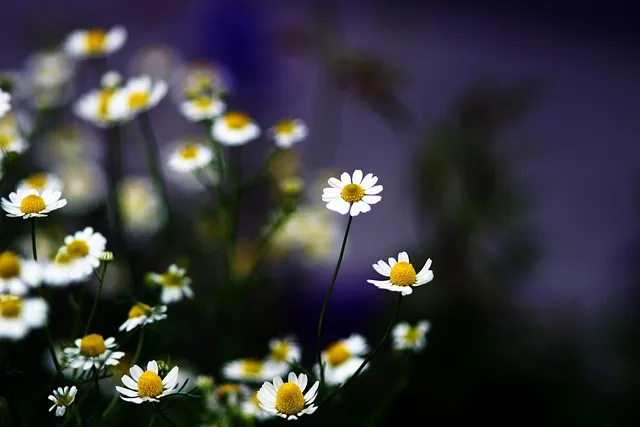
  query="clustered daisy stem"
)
[
  {"x": 97, "y": 297},
  {"x": 325, "y": 304}
]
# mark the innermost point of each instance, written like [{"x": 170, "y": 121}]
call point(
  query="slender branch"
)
[
  {"x": 138, "y": 348},
  {"x": 97, "y": 297},
  {"x": 166, "y": 419}
]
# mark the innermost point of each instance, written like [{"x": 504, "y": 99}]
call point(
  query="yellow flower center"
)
[
  {"x": 32, "y": 204},
  {"x": 412, "y": 335},
  {"x": 150, "y": 384},
  {"x": 189, "y": 151},
  {"x": 203, "y": 102},
  {"x": 289, "y": 400},
  {"x": 37, "y": 181},
  {"x": 9, "y": 265},
  {"x": 10, "y": 306},
  {"x": 103, "y": 102},
  {"x": 64, "y": 400},
  {"x": 138, "y": 100},
  {"x": 63, "y": 257},
  {"x": 403, "y": 274},
  {"x": 78, "y": 249},
  {"x": 285, "y": 127},
  {"x": 92, "y": 345},
  {"x": 280, "y": 351},
  {"x": 236, "y": 120},
  {"x": 95, "y": 41},
  {"x": 337, "y": 354},
  {"x": 139, "y": 310},
  {"x": 251, "y": 367},
  {"x": 172, "y": 280},
  {"x": 352, "y": 193}
]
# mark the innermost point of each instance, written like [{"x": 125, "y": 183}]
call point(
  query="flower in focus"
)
[
  {"x": 94, "y": 42},
  {"x": 250, "y": 408},
  {"x": 201, "y": 108},
  {"x": 143, "y": 93},
  {"x": 286, "y": 133},
  {"x": 234, "y": 128},
  {"x": 103, "y": 107},
  {"x": 287, "y": 399},
  {"x": 143, "y": 210},
  {"x": 189, "y": 157},
  {"x": 250, "y": 370},
  {"x": 17, "y": 275},
  {"x": 5, "y": 103},
  {"x": 65, "y": 269},
  {"x": 227, "y": 396},
  {"x": 352, "y": 194},
  {"x": 343, "y": 358},
  {"x": 40, "y": 181},
  {"x": 92, "y": 352},
  {"x": 410, "y": 337},
  {"x": 18, "y": 315},
  {"x": 84, "y": 185},
  {"x": 86, "y": 247},
  {"x": 31, "y": 203},
  {"x": 402, "y": 276},
  {"x": 142, "y": 314},
  {"x": 284, "y": 350},
  {"x": 147, "y": 386},
  {"x": 175, "y": 284},
  {"x": 61, "y": 398}
]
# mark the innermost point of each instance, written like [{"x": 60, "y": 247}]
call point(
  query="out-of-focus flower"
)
[
  {"x": 205, "y": 383},
  {"x": 104, "y": 107},
  {"x": 84, "y": 185},
  {"x": 243, "y": 258},
  {"x": 402, "y": 276},
  {"x": 143, "y": 209},
  {"x": 147, "y": 386},
  {"x": 64, "y": 269},
  {"x": 352, "y": 194},
  {"x": 94, "y": 42},
  {"x": 284, "y": 350},
  {"x": 5, "y": 103},
  {"x": 17, "y": 275},
  {"x": 175, "y": 284},
  {"x": 250, "y": 408},
  {"x": 31, "y": 203},
  {"x": 68, "y": 143},
  {"x": 143, "y": 93},
  {"x": 288, "y": 132},
  {"x": 61, "y": 398},
  {"x": 92, "y": 352},
  {"x": 410, "y": 337},
  {"x": 141, "y": 314},
  {"x": 291, "y": 186},
  {"x": 40, "y": 181},
  {"x": 343, "y": 358},
  {"x": 227, "y": 396},
  {"x": 287, "y": 400},
  {"x": 285, "y": 164},
  {"x": 18, "y": 316},
  {"x": 250, "y": 370},
  {"x": 11, "y": 140},
  {"x": 189, "y": 157},
  {"x": 234, "y": 128},
  {"x": 49, "y": 74},
  {"x": 200, "y": 78},
  {"x": 158, "y": 61},
  {"x": 86, "y": 247},
  {"x": 202, "y": 108}
]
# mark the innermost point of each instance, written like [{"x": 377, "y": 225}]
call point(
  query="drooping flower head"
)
[
  {"x": 288, "y": 132},
  {"x": 61, "y": 398}
]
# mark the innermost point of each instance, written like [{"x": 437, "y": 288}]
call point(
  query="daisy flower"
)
[
  {"x": 41, "y": 181},
  {"x": 175, "y": 284},
  {"x": 287, "y": 399},
  {"x": 17, "y": 275},
  {"x": 286, "y": 133},
  {"x": 402, "y": 276},
  {"x": 147, "y": 386},
  {"x": 250, "y": 370},
  {"x": 143, "y": 93},
  {"x": 250, "y": 408},
  {"x": 61, "y": 398},
  {"x": 284, "y": 350},
  {"x": 234, "y": 128},
  {"x": 142, "y": 314},
  {"x": 94, "y": 42},
  {"x": 353, "y": 194},
  {"x": 5, "y": 103},
  {"x": 227, "y": 396},
  {"x": 202, "y": 107},
  {"x": 143, "y": 209},
  {"x": 64, "y": 269},
  {"x": 92, "y": 352},
  {"x": 48, "y": 75},
  {"x": 31, "y": 203},
  {"x": 18, "y": 316},
  {"x": 410, "y": 337},
  {"x": 86, "y": 247},
  {"x": 84, "y": 185},
  {"x": 343, "y": 358},
  {"x": 11, "y": 141},
  {"x": 189, "y": 157},
  {"x": 200, "y": 78},
  {"x": 103, "y": 107}
]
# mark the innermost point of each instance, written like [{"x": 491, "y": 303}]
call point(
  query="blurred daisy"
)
[
  {"x": 147, "y": 386},
  {"x": 18, "y": 316},
  {"x": 103, "y": 107},
  {"x": 189, "y": 157},
  {"x": 61, "y": 398},
  {"x": 291, "y": 186},
  {"x": 410, "y": 337},
  {"x": 64, "y": 269},
  {"x": 200, "y": 78},
  {"x": 249, "y": 370},
  {"x": 175, "y": 284},
  {"x": 227, "y": 396},
  {"x": 354, "y": 194},
  {"x": 142, "y": 314},
  {"x": 40, "y": 181},
  {"x": 84, "y": 185},
  {"x": 94, "y": 42},
  {"x": 111, "y": 80},
  {"x": 402, "y": 276},
  {"x": 48, "y": 74},
  {"x": 284, "y": 350},
  {"x": 143, "y": 93},
  {"x": 92, "y": 352},
  {"x": 86, "y": 247},
  {"x": 201, "y": 108},
  {"x": 286, "y": 133},
  {"x": 143, "y": 209},
  {"x": 11, "y": 141},
  {"x": 287, "y": 399},
  {"x": 68, "y": 143},
  {"x": 205, "y": 383},
  {"x": 250, "y": 408},
  {"x": 343, "y": 358},
  {"x": 5, "y": 103},
  {"x": 158, "y": 61},
  {"x": 234, "y": 128},
  {"x": 17, "y": 275}
]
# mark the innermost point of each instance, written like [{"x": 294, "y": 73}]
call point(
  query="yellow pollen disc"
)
[
  {"x": 10, "y": 306},
  {"x": 63, "y": 258},
  {"x": 236, "y": 120},
  {"x": 280, "y": 351},
  {"x": 285, "y": 127},
  {"x": 189, "y": 152},
  {"x": 138, "y": 100},
  {"x": 95, "y": 41},
  {"x": 139, "y": 310},
  {"x": 37, "y": 181},
  {"x": 103, "y": 102},
  {"x": 251, "y": 367},
  {"x": 172, "y": 280},
  {"x": 92, "y": 345},
  {"x": 203, "y": 102},
  {"x": 78, "y": 249},
  {"x": 32, "y": 204},
  {"x": 403, "y": 274},
  {"x": 412, "y": 335},
  {"x": 289, "y": 400},
  {"x": 150, "y": 385},
  {"x": 352, "y": 193},
  {"x": 9, "y": 265},
  {"x": 63, "y": 400},
  {"x": 337, "y": 354}
]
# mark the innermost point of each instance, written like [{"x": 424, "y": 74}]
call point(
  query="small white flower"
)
[
  {"x": 61, "y": 398},
  {"x": 343, "y": 358},
  {"x": 48, "y": 75},
  {"x": 175, "y": 284},
  {"x": 84, "y": 185},
  {"x": 287, "y": 399},
  {"x": 234, "y": 128},
  {"x": 143, "y": 93},
  {"x": 18, "y": 316},
  {"x": 95, "y": 42},
  {"x": 141, "y": 314},
  {"x": 5, "y": 103},
  {"x": 402, "y": 276},
  {"x": 41, "y": 181},
  {"x": 352, "y": 194},
  {"x": 92, "y": 352},
  {"x": 86, "y": 247},
  {"x": 189, "y": 157},
  {"x": 30, "y": 203},
  {"x": 143, "y": 209},
  {"x": 284, "y": 350},
  {"x": 64, "y": 269},
  {"x": 250, "y": 370},
  {"x": 250, "y": 408},
  {"x": 200, "y": 78},
  {"x": 202, "y": 108},
  {"x": 17, "y": 275},
  {"x": 410, "y": 337},
  {"x": 227, "y": 396},
  {"x": 10, "y": 140},
  {"x": 103, "y": 107},
  {"x": 147, "y": 386},
  {"x": 286, "y": 133}
]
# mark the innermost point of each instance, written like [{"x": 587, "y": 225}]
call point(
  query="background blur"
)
[{"x": 505, "y": 138}]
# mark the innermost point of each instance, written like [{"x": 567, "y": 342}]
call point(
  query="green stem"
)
[
  {"x": 381, "y": 406},
  {"x": 111, "y": 405},
  {"x": 325, "y": 304},
  {"x": 153, "y": 418},
  {"x": 78, "y": 308},
  {"x": 115, "y": 173},
  {"x": 369, "y": 356},
  {"x": 33, "y": 239},
  {"x": 97, "y": 297},
  {"x": 166, "y": 419},
  {"x": 138, "y": 348}
]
